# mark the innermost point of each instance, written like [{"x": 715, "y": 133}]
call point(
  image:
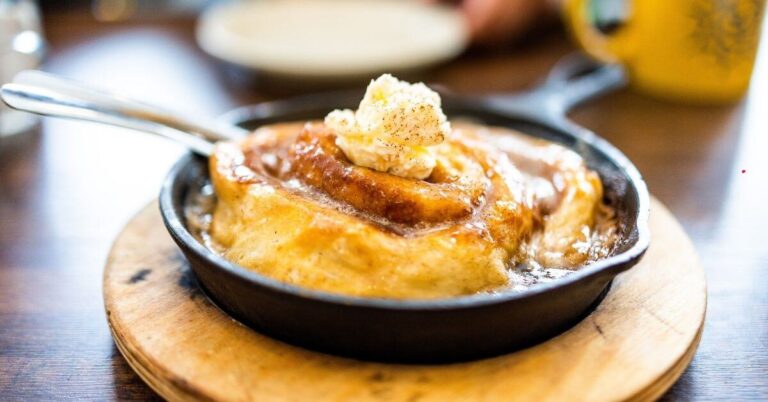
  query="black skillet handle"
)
[{"x": 574, "y": 79}]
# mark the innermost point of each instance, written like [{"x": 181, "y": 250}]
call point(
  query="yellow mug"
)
[{"x": 699, "y": 51}]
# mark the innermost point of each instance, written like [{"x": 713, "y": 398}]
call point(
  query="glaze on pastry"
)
[{"x": 446, "y": 212}]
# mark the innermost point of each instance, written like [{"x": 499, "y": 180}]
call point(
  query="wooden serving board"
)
[{"x": 634, "y": 346}]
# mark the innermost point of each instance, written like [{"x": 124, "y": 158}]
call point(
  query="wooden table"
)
[{"x": 67, "y": 189}]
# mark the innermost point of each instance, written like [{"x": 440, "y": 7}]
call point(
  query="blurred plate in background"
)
[{"x": 332, "y": 40}]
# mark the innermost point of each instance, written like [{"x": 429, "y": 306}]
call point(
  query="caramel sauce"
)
[{"x": 512, "y": 189}]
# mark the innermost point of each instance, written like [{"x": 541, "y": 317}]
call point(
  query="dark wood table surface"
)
[{"x": 67, "y": 188}]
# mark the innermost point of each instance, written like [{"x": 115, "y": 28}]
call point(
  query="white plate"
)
[{"x": 333, "y": 39}]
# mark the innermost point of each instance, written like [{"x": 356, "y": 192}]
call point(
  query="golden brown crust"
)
[
  {"x": 293, "y": 207},
  {"x": 317, "y": 161}
]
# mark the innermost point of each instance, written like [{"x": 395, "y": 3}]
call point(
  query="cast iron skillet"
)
[{"x": 430, "y": 331}]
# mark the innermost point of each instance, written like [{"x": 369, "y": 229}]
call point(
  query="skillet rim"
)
[{"x": 610, "y": 266}]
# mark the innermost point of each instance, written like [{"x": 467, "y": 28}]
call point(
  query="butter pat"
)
[{"x": 393, "y": 128}]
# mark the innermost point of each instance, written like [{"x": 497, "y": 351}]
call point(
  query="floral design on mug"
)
[{"x": 726, "y": 29}]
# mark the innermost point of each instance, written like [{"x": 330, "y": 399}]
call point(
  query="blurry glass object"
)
[
  {"x": 699, "y": 51},
  {"x": 21, "y": 48}
]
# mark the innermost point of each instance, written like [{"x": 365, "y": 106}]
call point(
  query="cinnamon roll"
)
[{"x": 379, "y": 203}]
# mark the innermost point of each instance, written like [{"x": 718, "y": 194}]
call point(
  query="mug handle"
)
[{"x": 607, "y": 47}]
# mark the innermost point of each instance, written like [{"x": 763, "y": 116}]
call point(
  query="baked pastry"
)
[{"x": 392, "y": 201}]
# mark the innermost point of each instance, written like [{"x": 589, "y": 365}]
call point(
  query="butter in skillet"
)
[{"x": 393, "y": 128}]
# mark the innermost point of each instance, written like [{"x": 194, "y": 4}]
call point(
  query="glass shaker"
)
[{"x": 21, "y": 48}]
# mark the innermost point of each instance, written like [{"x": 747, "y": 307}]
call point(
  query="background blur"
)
[{"x": 67, "y": 188}]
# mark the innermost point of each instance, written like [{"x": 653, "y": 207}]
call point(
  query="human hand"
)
[{"x": 493, "y": 21}]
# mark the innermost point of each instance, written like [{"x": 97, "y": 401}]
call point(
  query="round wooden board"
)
[{"x": 634, "y": 346}]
